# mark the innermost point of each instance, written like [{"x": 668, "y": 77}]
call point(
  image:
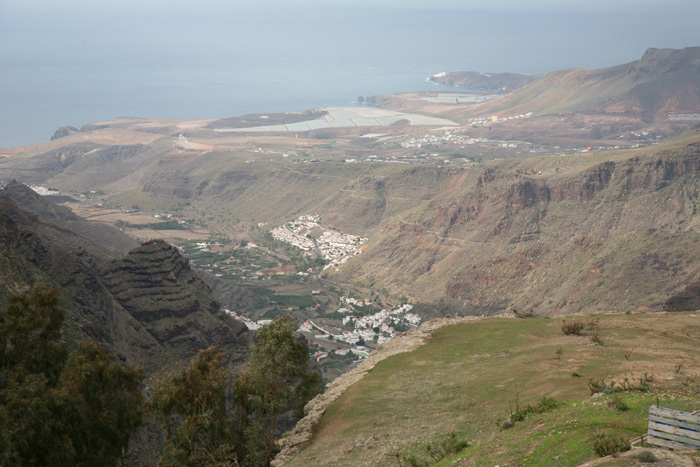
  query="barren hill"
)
[
  {"x": 663, "y": 81},
  {"x": 556, "y": 235},
  {"x": 658, "y": 93}
]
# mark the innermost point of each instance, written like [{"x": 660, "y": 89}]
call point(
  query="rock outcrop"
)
[
  {"x": 156, "y": 285},
  {"x": 502, "y": 82},
  {"x": 63, "y": 132},
  {"x": 148, "y": 308}
]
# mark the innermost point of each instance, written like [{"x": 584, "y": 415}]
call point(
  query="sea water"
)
[{"x": 66, "y": 65}]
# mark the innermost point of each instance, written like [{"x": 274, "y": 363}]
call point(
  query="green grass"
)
[
  {"x": 471, "y": 377},
  {"x": 300, "y": 300}
]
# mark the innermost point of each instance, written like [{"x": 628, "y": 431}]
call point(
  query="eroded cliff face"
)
[
  {"x": 156, "y": 285},
  {"x": 149, "y": 308},
  {"x": 615, "y": 235}
]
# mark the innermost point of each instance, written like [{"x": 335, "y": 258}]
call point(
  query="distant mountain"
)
[
  {"x": 502, "y": 82},
  {"x": 663, "y": 81},
  {"x": 149, "y": 308}
]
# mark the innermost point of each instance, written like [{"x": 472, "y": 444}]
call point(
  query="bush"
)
[
  {"x": 572, "y": 328},
  {"x": 646, "y": 456},
  {"x": 606, "y": 444},
  {"x": 507, "y": 423},
  {"x": 546, "y": 404},
  {"x": 618, "y": 404},
  {"x": 625, "y": 385},
  {"x": 438, "y": 450}
]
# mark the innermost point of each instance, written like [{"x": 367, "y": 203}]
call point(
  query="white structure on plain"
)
[{"x": 184, "y": 143}]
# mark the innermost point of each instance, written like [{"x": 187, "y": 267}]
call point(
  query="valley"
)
[{"x": 573, "y": 197}]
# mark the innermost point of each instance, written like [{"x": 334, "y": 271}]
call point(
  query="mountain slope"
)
[
  {"x": 155, "y": 284},
  {"x": 97, "y": 290},
  {"x": 100, "y": 234},
  {"x": 615, "y": 231},
  {"x": 472, "y": 375},
  {"x": 662, "y": 81}
]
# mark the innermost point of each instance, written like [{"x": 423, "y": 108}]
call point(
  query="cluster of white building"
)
[
  {"x": 356, "y": 301},
  {"x": 250, "y": 324},
  {"x": 448, "y": 137},
  {"x": 378, "y": 327},
  {"x": 335, "y": 247},
  {"x": 295, "y": 232}
]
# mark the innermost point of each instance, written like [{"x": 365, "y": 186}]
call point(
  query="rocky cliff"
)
[
  {"x": 614, "y": 233},
  {"x": 156, "y": 285},
  {"x": 148, "y": 308}
]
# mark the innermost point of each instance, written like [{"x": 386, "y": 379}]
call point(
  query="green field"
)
[{"x": 471, "y": 377}]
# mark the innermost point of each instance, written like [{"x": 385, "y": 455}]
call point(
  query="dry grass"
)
[{"x": 469, "y": 377}]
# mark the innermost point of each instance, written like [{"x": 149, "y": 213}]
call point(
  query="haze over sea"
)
[{"x": 79, "y": 62}]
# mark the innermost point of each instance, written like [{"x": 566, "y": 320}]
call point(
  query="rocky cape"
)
[{"x": 502, "y": 82}]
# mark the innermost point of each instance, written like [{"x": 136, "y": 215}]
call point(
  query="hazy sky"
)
[
  {"x": 79, "y": 61},
  {"x": 587, "y": 33}
]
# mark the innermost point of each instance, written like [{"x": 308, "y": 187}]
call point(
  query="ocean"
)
[{"x": 63, "y": 66}]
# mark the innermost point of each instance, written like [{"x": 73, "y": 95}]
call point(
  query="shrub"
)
[
  {"x": 596, "y": 339},
  {"x": 625, "y": 385},
  {"x": 618, "y": 404},
  {"x": 546, "y": 404},
  {"x": 596, "y": 386},
  {"x": 449, "y": 445},
  {"x": 572, "y": 328},
  {"x": 436, "y": 450},
  {"x": 507, "y": 423},
  {"x": 576, "y": 374},
  {"x": 606, "y": 444},
  {"x": 646, "y": 456}
]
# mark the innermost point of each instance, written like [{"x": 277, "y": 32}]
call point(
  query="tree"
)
[
  {"x": 278, "y": 379},
  {"x": 105, "y": 401},
  {"x": 57, "y": 409},
  {"x": 203, "y": 428},
  {"x": 191, "y": 407},
  {"x": 30, "y": 333}
]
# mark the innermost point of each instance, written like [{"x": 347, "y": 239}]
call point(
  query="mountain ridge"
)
[{"x": 97, "y": 289}]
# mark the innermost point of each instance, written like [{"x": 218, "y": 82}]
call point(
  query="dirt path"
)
[{"x": 406, "y": 342}]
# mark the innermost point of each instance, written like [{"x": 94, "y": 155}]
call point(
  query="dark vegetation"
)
[
  {"x": 606, "y": 444},
  {"x": 82, "y": 407},
  {"x": 56, "y": 407},
  {"x": 167, "y": 225}
]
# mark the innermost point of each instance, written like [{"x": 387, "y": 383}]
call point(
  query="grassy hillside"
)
[{"x": 469, "y": 378}]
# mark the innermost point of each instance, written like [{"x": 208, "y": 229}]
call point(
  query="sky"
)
[
  {"x": 592, "y": 33},
  {"x": 74, "y": 61}
]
